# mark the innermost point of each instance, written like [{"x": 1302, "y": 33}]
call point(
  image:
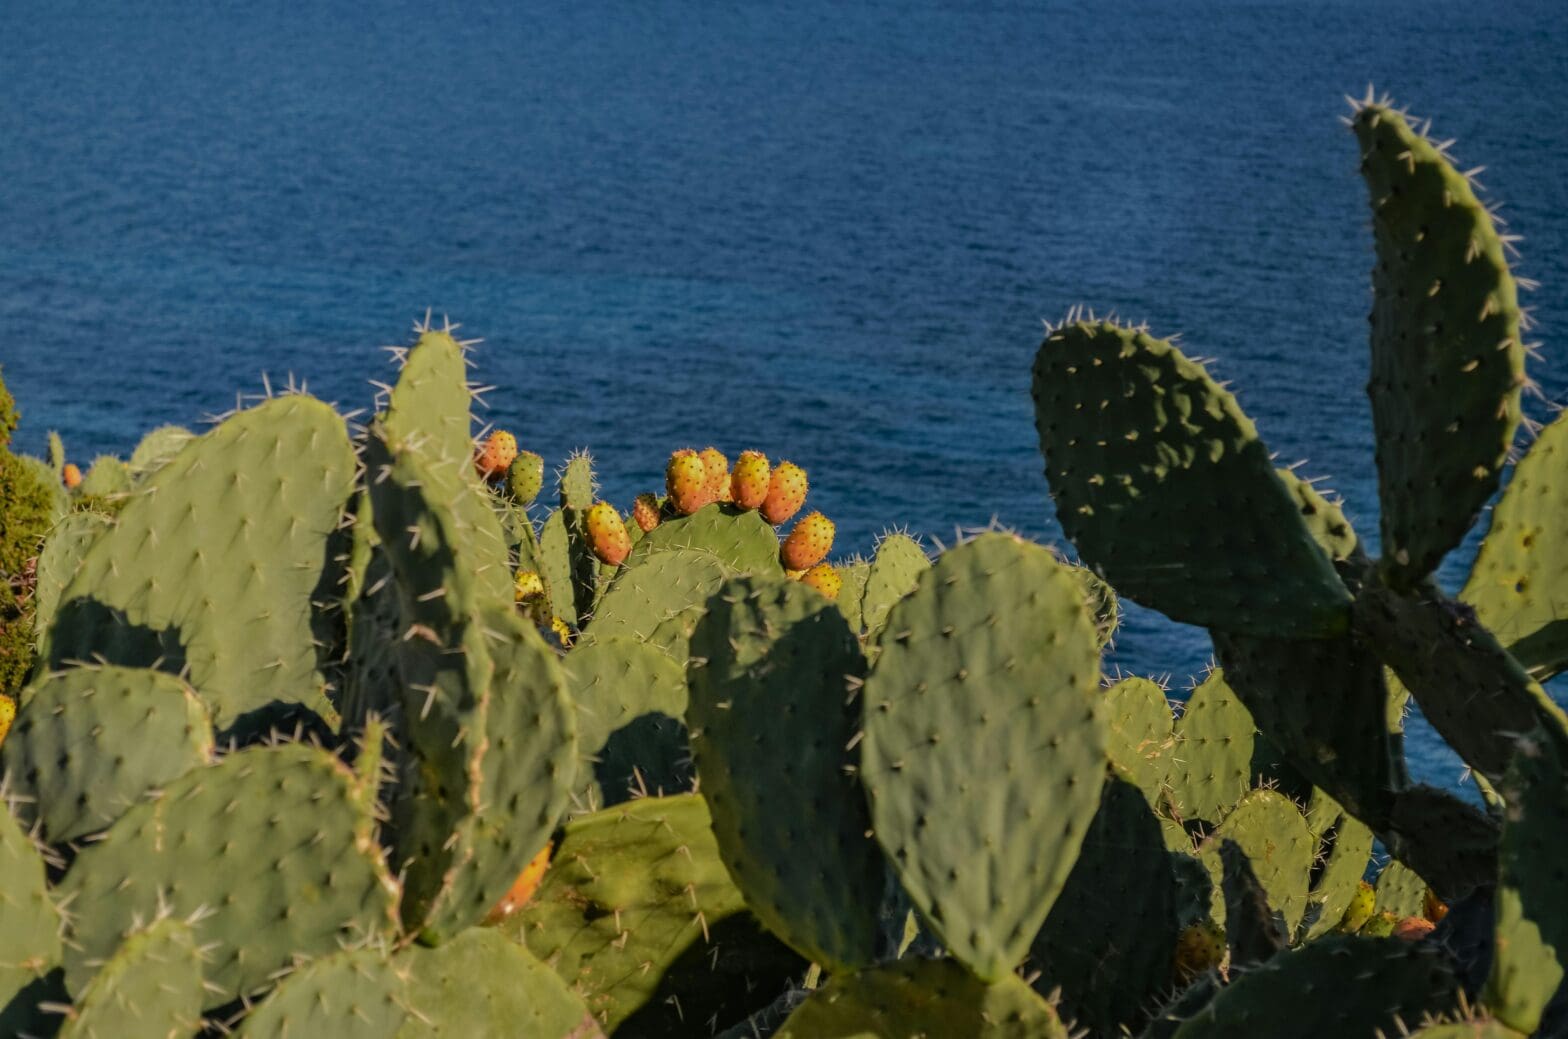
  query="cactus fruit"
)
[
  {"x": 686, "y": 482},
  {"x": 1200, "y": 947},
  {"x": 71, "y": 476},
  {"x": 523, "y": 888},
  {"x": 824, "y": 577},
  {"x": 561, "y": 631},
  {"x": 497, "y": 455},
  {"x": 1360, "y": 909},
  {"x": 1380, "y": 925},
  {"x": 529, "y": 587},
  {"x": 716, "y": 478},
  {"x": 1432, "y": 907},
  {"x": 809, "y": 543},
  {"x": 787, "y": 488},
  {"x": 750, "y": 480},
  {"x": 7, "y": 715},
  {"x": 645, "y": 511},
  {"x": 1413, "y": 928},
  {"x": 607, "y": 534},
  {"x": 525, "y": 477}
]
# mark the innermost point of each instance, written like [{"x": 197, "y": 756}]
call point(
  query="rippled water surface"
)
[{"x": 830, "y": 231}]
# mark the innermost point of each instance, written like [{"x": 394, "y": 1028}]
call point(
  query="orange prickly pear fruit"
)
[
  {"x": 809, "y": 543},
  {"x": 1432, "y": 907},
  {"x": 645, "y": 510},
  {"x": 1414, "y": 928},
  {"x": 607, "y": 534},
  {"x": 7, "y": 714},
  {"x": 750, "y": 479},
  {"x": 1198, "y": 948},
  {"x": 523, "y": 887},
  {"x": 717, "y": 469},
  {"x": 71, "y": 475},
  {"x": 786, "y": 493},
  {"x": 496, "y": 456},
  {"x": 825, "y": 579},
  {"x": 686, "y": 480}
]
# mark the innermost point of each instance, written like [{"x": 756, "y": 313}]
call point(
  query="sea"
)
[{"x": 828, "y": 231}]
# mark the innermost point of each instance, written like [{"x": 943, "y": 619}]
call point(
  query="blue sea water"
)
[{"x": 828, "y": 230}]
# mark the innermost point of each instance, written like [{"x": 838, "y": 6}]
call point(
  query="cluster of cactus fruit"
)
[{"x": 327, "y": 729}]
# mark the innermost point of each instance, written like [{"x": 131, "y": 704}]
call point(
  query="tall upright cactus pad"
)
[
  {"x": 218, "y": 567},
  {"x": 577, "y": 488},
  {"x": 93, "y": 741},
  {"x": 58, "y": 563},
  {"x": 288, "y": 867},
  {"x": 853, "y": 576},
  {"x": 483, "y": 984},
  {"x": 1514, "y": 584},
  {"x": 555, "y": 566},
  {"x": 631, "y": 711},
  {"x": 151, "y": 987},
  {"x": 1349, "y": 848},
  {"x": 922, "y": 998},
  {"x": 1532, "y": 917},
  {"x": 1211, "y": 766},
  {"x": 156, "y": 449},
  {"x": 772, "y": 668},
  {"x": 1340, "y": 985},
  {"x": 984, "y": 751},
  {"x": 1254, "y": 930},
  {"x": 896, "y": 567},
  {"x": 660, "y": 600},
  {"x": 634, "y": 891},
  {"x": 1272, "y": 833},
  {"x": 352, "y": 994},
  {"x": 30, "y": 923},
  {"x": 1110, "y": 937},
  {"x": 429, "y": 405},
  {"x": 1140, "y": 733},
  {"x": 740, "y": 538},
  {"x": 1447, "y": 358},
  {"x": 1161, "y": 482}
]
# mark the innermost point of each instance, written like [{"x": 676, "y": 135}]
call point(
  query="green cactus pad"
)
[
  {"x": 1157, "y": 476},
  {"x": 353, "y": 994},
  {"x": 1477, "y": 1029},
  {"x": 1340, "y": 985},
  {"x": 633, "y": 891},
  {"x": 1254, "y": 931},
  {"x": 740, "y": 538},
  {"x": 1101, "y": 600},
  {"x": 482, "y": 984},
  {"x": 555, "y": 566},
  {"x": 631, "y": 710},
  {"x": 852, "y": 589},
  {"x": 1447, "y": 358},
  {"x": 895, "y": 569},
  {"x": 1275, "y": 837},
  {"x": 157, "y": 449},
  {"x": 1524, "y": 559},
  {"x": 30, "y": 925},
  {"x": 984, "y": 752},
  {"x": 1400, "y": 890},
  {"x": 93, "y": 741},
  {"x": 577, "y": 488},
  {"x": 217, "y": 563},
  {"x": 1531, "y": 948},
  {"x": 429, "y": 405},
  {"x": 151, "y": 988},
  {"x": 1211, "y": 767},
  {"x": 1140, "y": 733},
  {"x": 576, "y": 485},
  {"x": 1475, "y": 695},
  {"x": 1109, "y": 939},
  {"x": 59, "y": 562},
  {"x": 272, "y": 844},
  {"x": 772, "y": 667},
  {"x": 1325, "y": 520},
  {"x": 914, "y": 998},
  {"x": 1323, "y": 702},
  {"x": 659, "y": 601},
  {"x": 1349, "y": 850},
  {"x": 107, "y": 478}
]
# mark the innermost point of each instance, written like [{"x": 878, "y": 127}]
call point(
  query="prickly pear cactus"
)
[
  {"x": 631, "y": 729},
  {"x": 1210, "y": 768},
  {"x": 1271, "y": 832},
  {"x": 151, "y": 986},
  {"x": 59, "y": 562},
  {"x": 740, "y": 539},
  {"x": 1140, "y": 733},
  {"x": 30, "y": 922},
  {"x": 352, "y": 994}
]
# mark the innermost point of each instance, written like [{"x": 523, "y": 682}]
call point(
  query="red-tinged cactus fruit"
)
[
  {"x": 607, "y": 534},
  {"x": 686, "y": 481},
  {"x": 750, "y": 479},
  {"x": 786, "y": 493},
  {"x": 72, "y": 476},
  {"x": 824, "y": 578},
  {"x": 809, "y": 543},
  {"x": 1199, "y": 947},
  {"x": 717, "y": 470},
  {"x": 523, "y": 888},
  {"x": 496, "y": 456},
  {"x": 1432, "y": 907},
  {"x": 645, "y": 510},
  {"x": 1414, "y": 928}
]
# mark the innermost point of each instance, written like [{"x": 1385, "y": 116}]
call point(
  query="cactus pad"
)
[
  {"x": 93, "y": 741},
  {"x": 1211, "y": 767},
  {"x": 741, "y": 539},
  {"x": 897, "y": 565},
  {"x": 151, "y": 986},
  {"x": 1447, "y": 358},
  {"x": 58, "y": 563},
  {"x": 631, "y": 710},
  {"x": 659, "y": 600},
  {"x": 1272, "y": 833},
  {"x": 483, "y": 984},
  {"x": 984, "y": 751},
  {"x": 1157, "y": 476},
  {"x": 772, "y": 668},
  {"x": 30, "y": 925},
  {"x": 1140, "y": 734},
  {"x": 353, "y": 994}
]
